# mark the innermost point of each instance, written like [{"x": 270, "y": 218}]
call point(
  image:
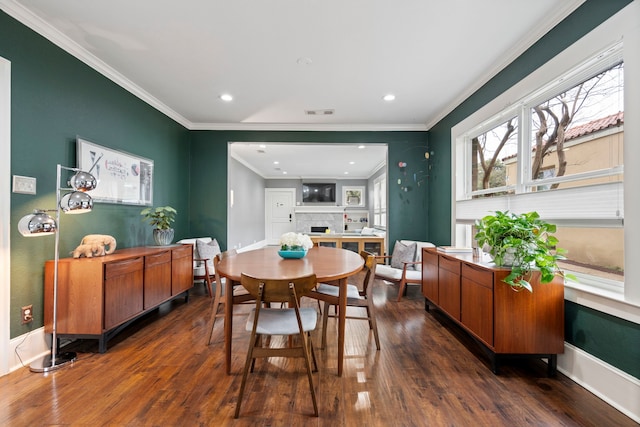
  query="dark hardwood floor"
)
[{"x": 159, "y": 372}]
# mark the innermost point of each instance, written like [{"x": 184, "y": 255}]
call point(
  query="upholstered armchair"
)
[{"x": 404, "y": 265}]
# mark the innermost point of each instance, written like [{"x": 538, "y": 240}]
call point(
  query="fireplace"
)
[{"x": 319, "y": 229}]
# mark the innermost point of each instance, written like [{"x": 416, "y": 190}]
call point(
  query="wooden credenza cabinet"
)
[
  {"x": 505, "y": 322},
  {"x": 98, "y": 296},
  {"x": 355, "y": 242}
]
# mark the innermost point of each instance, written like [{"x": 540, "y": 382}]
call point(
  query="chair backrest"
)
[
  {"x": 218, "y": 258},
  {"x": 369, "y": 270},
  {"x": 278, "y": 290}
]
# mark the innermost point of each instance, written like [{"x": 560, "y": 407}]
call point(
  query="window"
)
[
  {"x": 559, "y": 152},
  {"x": 491, "y": 151},
  {"x": 380, "y": 202}
]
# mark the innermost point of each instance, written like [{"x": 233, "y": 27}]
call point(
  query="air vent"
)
[{"x": 319, "y": 112}]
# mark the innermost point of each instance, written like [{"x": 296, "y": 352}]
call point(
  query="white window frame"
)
[
  {"x": 623, "y": 302},
  {"x": 380, "y": 202}
]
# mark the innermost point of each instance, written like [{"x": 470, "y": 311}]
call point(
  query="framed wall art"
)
[
  {"x": 353, "y": 196},
  {"x": 122, "y": 177}
]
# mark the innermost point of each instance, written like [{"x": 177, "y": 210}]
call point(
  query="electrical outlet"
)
[
  {"x": 27, "y": 314},
  {"x": 24, "y": 184}
]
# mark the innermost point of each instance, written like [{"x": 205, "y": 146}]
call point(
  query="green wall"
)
[
  {"x": 408, "y": 210},
  {"x": 601, "y": 327},
  {"x": 55, "y": 98}
]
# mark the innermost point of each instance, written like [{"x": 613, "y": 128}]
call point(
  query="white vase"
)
[{"x": 163, "y": 237}]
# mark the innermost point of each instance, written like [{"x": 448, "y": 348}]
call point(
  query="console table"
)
[
  {"x": 352, "y": 242},
  {"x": 506, "y": 323},
  {"x": 99, "y": 296}
]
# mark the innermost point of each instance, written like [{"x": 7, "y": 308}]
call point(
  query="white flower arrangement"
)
[{"x": 295, "y": 242}]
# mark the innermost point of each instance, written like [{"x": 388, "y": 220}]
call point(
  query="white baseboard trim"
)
[
  {"x": 30, "y": 346},
  {"x": 617, "y": 388}
]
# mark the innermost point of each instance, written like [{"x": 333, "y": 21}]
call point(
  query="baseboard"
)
[
  {"x": 27, "y": 348},
  {"x": 617, "y": 388}
]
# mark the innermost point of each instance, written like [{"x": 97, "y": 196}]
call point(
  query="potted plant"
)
[
  {"x": 523, "y": 242},
  {"x": 161, "y": 219}
]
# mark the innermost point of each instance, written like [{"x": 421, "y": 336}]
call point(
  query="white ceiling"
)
[{"x": 279, "y": 58}]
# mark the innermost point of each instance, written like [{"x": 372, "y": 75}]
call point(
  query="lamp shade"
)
[
  {"x": 38, "y": 223},
  {"x": 76, "y": 202},
  {"x": 83, "y": 181}
]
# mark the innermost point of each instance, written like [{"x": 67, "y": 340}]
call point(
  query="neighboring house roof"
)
[{"x": 595, "y": 126}]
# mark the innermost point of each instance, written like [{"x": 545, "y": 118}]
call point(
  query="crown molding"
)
[
  {"x": 563, "y": 10},
  {"x": 37, "y": 24},
  {"x": 364, "y": 127}
]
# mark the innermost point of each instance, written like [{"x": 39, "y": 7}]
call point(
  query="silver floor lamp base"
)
[{"x": 45, "y": 364}]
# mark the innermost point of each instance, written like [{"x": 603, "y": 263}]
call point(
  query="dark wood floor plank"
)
[{"x": 159, "y": 372}]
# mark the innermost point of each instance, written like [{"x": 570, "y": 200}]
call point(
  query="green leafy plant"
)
[
  {"x": 160, "y": 217},
  {"x": 524, "y": 242}
]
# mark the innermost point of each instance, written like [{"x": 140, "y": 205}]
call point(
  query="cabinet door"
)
[
  {"x": 430, "y": 276},
  {"x": 449, "y": 293},
  {"x": 351, "y": 245},
  {"x": 373, "y": 248},
  {"x": 449, "y": 285},
  {"x": 476, "y": 302},
  {"x": 157, "y": 279},
  {"x": 181, "y": 269},
  {"x": 123, "y": 291}
]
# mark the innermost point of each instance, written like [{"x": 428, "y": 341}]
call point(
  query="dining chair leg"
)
[
  {"x": 248, "y": 364},
  {"x": 258, "y": 342},
  {"x": 217, "y": 300},
  {"x": 313, "y": 354},
  {"x": 373, "y": 325},
  {"x": 306, "y": 350},
  {"x": 325, "y": 318}
]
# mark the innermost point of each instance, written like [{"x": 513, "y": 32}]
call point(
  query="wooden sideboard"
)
[
  {"x": 505, "y": 322},
  {"x": 356, "y": 242},
  {"x": 99, "y": 296}
]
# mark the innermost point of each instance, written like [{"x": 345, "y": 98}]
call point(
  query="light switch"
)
[{"x": 24, "y": 184}]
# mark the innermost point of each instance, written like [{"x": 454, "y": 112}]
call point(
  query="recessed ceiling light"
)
[
  {"x": 226, "y": 97},
  {"x": 389, "y": 97},
  {"x": 284, "y": 172},
  {"x": 346, "y": 173},
  {"x": 361, "y": 146},
  {"x": 275, "y": 162},
  {"x": 352, "y": 163},
  {"x": 262, "y": 146}
]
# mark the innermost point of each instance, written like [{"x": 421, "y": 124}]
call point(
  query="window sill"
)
[{"x": 608, "y": 301}]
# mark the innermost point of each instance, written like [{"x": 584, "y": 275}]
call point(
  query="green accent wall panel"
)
[{"x": 614, "y": 340}]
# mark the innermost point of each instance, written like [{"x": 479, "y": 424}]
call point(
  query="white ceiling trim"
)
[
  {"x": 26, "y": 17},
  {"x": 564, "y": 10},
  {"x": 307, "y": 127},
  {"x": 34, "y": 22}
]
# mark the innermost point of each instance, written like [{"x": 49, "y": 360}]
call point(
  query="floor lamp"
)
[{"x": 40, "y": 223}]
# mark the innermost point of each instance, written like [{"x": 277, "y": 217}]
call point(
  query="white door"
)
[{"x": 280, "y": 217}]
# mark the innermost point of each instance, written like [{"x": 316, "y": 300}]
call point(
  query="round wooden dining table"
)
[{"x": 328, "y": 264}]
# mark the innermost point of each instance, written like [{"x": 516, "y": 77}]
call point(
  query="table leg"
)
[
  {"x": 228, "y": 319},
  {"x": 342, "y": 310}
]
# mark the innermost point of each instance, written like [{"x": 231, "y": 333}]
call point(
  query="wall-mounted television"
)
[{"x": 318, "y": 193}]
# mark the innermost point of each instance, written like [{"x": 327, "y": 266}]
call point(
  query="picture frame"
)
[
  {"x": 123, "y": 178},
  {"x": 353, "y": 196}
]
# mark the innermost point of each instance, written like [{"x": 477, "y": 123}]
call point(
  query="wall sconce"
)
[{"x": 40, "y": 223}]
